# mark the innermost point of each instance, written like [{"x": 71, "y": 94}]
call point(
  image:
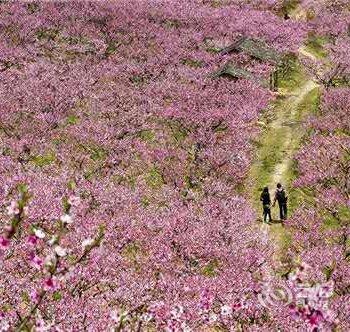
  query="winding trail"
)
[
  {"x": 287, "y": 119},
  {"x": 286, "y": 129}
]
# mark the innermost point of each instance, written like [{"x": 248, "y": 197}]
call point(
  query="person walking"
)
[
  {"x": 281, "y": 197},
  {"x": 266, "y": 201}
]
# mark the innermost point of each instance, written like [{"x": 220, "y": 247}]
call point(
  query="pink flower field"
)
[{"x": 131, "y": 133}]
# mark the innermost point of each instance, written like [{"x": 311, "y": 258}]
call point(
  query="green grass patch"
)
[
  {"x": 193, "y": 63},
  {"x": 131, "y": 181},
  {"x": 145, "y": 201},
  {"x": 134, "y": 254},
  {"x": 47, "y": 34},
  {"x": 210, "y": 269},
  {"x": 298, "y": 196},
  {"x": 56, "y": 296},
  {"x": 269, "y": 154},
  {"x": 138, "y": 79},
  {"x": 97, "y": 153},
  {"x": 25, "y": 297},
  {"x": 210, "y": 46},
  {"x": 331, "y": 221},
  {"x": 290, "y": 74},
  {"x": 288, "y": 6},
  {"x": 177, "y": 131},
  {"x": 147, "y": 136},
  {"x": 71, "y": 185},
  {"x": 315, "y": 45},
  {"x": 72, "y": 119},
  {"x": 6, "y": 151},
  {"x": 131, "y": 251},
  {"x": 42, "y": 160},
  {"x": 33, "y": 7},
  {"x": 310, "y": 104},
  {"x": 283, "y": 237},
  {"x": 171, "y": 23},
  {"x": 112, "y": 47},
  {"x": 154, "y": 178}
]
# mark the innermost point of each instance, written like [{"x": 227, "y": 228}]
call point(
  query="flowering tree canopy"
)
[{"x": 122, "y": 162}]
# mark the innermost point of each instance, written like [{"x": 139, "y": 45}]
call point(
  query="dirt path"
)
[
  {"x": 303, "y": 51},
  {"x": 287, "y": 119},
  {"x": 274, "y": 157}
]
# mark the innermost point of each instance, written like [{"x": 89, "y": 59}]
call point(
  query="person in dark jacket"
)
[
  {"x": 281, "y": 197},
  {"x": 266, "y": 201}
]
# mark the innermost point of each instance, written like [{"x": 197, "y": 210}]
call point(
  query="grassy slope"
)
[
  {"x": 282, "y": 137},
  {"x": 269, "y": 147}
]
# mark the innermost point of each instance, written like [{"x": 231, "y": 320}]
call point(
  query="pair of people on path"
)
[{"x": 280, "y": 197}]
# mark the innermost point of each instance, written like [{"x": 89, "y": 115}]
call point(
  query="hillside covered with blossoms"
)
[{"x": 135, "y": 138}]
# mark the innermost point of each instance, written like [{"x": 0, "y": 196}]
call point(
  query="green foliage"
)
[
  {"x": 343, "y": 213},
  {"x": 329, "y": 221},
  {"x": 310, "y": 104},
  {"x": 42, "y": 160},
  {"x": 72, "y": 258},
  {"x": 216, "y": 3},
  {"x": 288, "y": 6},
  {"x": 210, "y": 46},
  {"x": 210, "y": 269},
  {"x": 172, "y": 23},
  {"x": 213, "y": 49},
  {"x": 315, "y": 45},
  {"x": 178, "y": 132},
  {"x": 192, "y": 63},
  {"x": 100, "y": 234},
  {"x": 71, "y": 184},
  {"x": 56, "y": 296},
  {"x": 179, "y": 135},
  {"x": 33, "y": 7},
  {"x": 328, "y": 270},
  {"x": 333, "y": 221},
  {"x": 137, "y": 79},
  {"x": 127, "y": 180},
  {"x": 131, "y": 250},
  {"x": 111, "y": 48},
  {"x": 191, "y": 182},
  {"x": 145, "y": 201},
  {"x": 290, "y": 73},
  {"x": 6, "y": 307},
  {"x": 222, "y": 128},
  {"x": 22, "y": 188},
  {"x": 47, "y": 34},
  {"x": 6, "y": 151},
  {"x": 269, "y": 154},
  {"x": 98, "y": 153},
  {"x": 154, "y": 178},
  {"x": 131, "y": 181},
  {"x": 147, "y": 135},
  {"x": 66, "y": 205},
  {"x": 72, "y": 120},
  {"x": 25, "y": 297},
  {"x": 133, "y": 253}
]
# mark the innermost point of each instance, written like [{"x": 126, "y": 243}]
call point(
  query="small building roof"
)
[
  {"x": 255, "y": 48},
  {"x": 230, "y": 70}
]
